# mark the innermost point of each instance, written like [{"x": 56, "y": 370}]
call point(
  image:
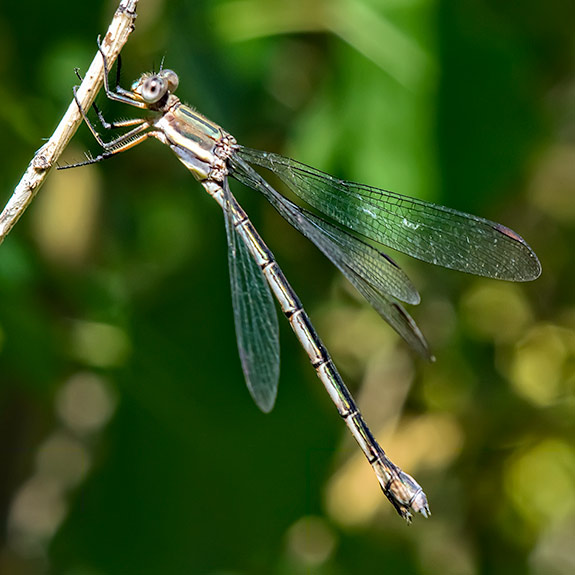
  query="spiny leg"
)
[
  {"x": 121, "y": 146},
  {"x": 140, "y": 123}
]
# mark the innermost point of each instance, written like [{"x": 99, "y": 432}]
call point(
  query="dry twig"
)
[{"x": 112, "y": 43}]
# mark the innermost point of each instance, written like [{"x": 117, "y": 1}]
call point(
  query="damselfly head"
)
[{"x": 153, "y": 87}]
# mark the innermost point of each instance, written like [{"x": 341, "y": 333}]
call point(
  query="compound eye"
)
[
  {"x": 172, "y": 79},
  {"x": 154, "y": 89}
]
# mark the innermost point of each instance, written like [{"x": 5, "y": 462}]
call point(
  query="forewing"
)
[{"x": 426, "y": 231}]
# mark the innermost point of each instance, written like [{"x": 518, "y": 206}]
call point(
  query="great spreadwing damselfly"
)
[{"x": 348, "y": 222}]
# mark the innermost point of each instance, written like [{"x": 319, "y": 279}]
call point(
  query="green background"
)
[{"x": 129, "y": 444}]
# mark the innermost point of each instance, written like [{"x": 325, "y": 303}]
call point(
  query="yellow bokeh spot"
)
[
  {"x": 542, "y": 366},
  {"x": 496, "y": 311},
  {"x": 99, "y": 344},
  {"x": 541, "y": 482},
  {"x": 553, "y": 183},
  {"x": 310, "y": 541},
  {"x": 65, "y": 217}
]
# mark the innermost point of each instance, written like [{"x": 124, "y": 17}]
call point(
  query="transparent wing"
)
[
  {"x": 429, "y": 232},
  {"x": 255, "y": 317},
  {"x": 371, "y": 272},
  {"x": 336, "y": 243},
  {"x": 372, "y": 265}
]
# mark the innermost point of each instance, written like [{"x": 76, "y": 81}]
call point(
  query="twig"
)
[{"x": 117, "y": 35}]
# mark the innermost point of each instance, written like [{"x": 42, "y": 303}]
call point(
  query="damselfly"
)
[{"x": 345, "y": 220}]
